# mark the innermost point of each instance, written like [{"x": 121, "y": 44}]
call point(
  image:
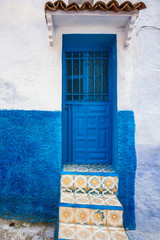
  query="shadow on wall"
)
[
  {"x": 126, "y": 165},
  {"x": 30, "y": 157}
]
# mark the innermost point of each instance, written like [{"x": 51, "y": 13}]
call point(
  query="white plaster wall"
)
[
  {"x": 29, "y": 67},
  {"x": 30, "y": 78},
  {"x": 145, "y": 101},
  {"x": 31, "y": 70}
]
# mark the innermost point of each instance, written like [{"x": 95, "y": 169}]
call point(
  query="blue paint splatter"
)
[{"x": 30, "y": 159}]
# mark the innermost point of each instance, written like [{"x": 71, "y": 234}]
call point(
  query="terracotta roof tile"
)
[{"x": 113, "y": 5}]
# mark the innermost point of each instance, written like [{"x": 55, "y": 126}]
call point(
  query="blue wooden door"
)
[{"x": 87, "y": 111}]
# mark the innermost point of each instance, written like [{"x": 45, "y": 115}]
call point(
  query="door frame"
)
[{"x": 69, "y": 44}]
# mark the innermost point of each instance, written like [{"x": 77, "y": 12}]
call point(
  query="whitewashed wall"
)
[
  {"x": 145, "y": 100},
  {"x": 30, "y": 78}
]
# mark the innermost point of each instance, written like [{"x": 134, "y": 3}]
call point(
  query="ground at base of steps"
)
[
  {"x": 20, "y": 230},
  {"x": 29, "y": 231}
]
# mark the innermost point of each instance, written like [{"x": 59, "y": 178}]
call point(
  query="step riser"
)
[
  {"x": 97, "y": 185},
  {"x": 78, "y": 232},
  {"x": 88, "y": 199},
  {"x": 85, "y": 216}
]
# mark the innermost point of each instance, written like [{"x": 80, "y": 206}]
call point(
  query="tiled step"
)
[
  {"x": 93, "y": 168},
  {"x": 90, "y": 210},
  {"x": 82, "y": 232},
  {"x": 90, "y": 179}
]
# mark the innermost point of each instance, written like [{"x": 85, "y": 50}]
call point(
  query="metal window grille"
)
[{"x": 87, "y": 76}]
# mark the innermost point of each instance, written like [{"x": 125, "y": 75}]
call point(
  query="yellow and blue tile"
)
[
  {"x": 98, "y": 185},
  {"x": 98, "y": 217},
  {"x": 66, "y": 215},
  {"x": 115, "y": 218},
  {"x": 82, "y": 216},
  {"x": 87, "y": 168},
  {"x": 89, "y": 208},
  {"x": 79, "y": 232}
]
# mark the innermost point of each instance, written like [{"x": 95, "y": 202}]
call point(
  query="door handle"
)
[{"x": 66, "y": 108}]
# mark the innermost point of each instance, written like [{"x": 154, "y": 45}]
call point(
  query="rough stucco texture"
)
[
  {"x": 147, "y": 195},
  {"x": 30, "y": 148},
  {"x": 126, "y": 165},
  {"x": 30, "y": 156}
]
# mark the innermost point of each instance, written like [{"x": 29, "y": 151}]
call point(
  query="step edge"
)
[
  {"x": 96, "y": 226},
  {"x": 69, "y": 194},
  {"x": 100, "y": 207},
  {"x": 110, "y": 228},
  {"x": 112, "y": 174}
]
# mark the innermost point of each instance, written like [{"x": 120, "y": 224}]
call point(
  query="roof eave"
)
[{"x": 57, "y": 17}]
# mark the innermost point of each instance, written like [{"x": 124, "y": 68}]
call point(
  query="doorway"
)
[{"x": 87, "y": 100}]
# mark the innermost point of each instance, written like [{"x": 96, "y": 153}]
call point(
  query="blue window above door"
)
[{"x": 87, "y": 74}]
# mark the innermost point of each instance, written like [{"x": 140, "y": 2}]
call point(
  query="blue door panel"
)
[
  {"x": 103, "y": 139},
  {"x": 91, "y": 133}
]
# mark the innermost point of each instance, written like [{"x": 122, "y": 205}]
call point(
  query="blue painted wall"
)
[
  {"x": 30, "y": 157},
  {"x": 126, "y": 164}
]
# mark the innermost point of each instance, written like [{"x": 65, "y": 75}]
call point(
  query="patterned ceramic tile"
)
[
  {"x": 101, "y": 233},
  {"x": 87, "y": 168},
  {"x": 92, "y": 216},
  {"x": 98, "y": 217},
  {"x": 69, "y": 167},
  {"x": 67, "y": 198},
  {"x": 97, "y": 200},
  {"x": 80, "y": 182},
  {"x": 82, "y": 168},
  {"x": 109, "y": 185},
  {"x": 89, "y": 184},
  {"x": 83, "y": 196},
  {"x": 84, "y": 232},
  {"x": 67, "y": 182},
  {"x": 79, "y": 232},
  {"x": 85, "y": 200},
  {"x": 66, "y": 231},
  {"x": 66, "y": 215},
  {"x": 112, "y": 200},
  {"x": 115, "y": 218},
  {"x": 94, "y": 182},
  {"x": 118, "y": 234},
  {"x": 82, "y": 216},
  {"x": 76, "y": 198}
]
